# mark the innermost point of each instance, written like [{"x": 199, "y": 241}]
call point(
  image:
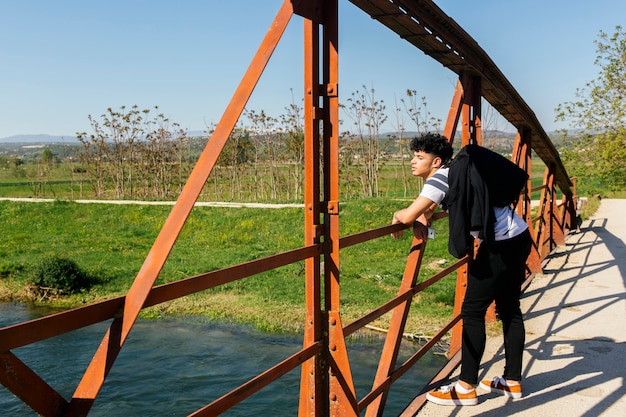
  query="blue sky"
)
[{"x": 65, "y": 60}]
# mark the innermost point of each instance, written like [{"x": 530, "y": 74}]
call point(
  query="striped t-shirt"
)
[
  {"x": 436, "y": 186},
  {"x": 508, "y": 223}
]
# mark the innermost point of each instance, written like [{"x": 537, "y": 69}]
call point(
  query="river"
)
[{"x": 172, "y": 367}]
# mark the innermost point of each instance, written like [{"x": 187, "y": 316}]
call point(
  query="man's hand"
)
[
  {"x": 421, "y": 210},
  {"x": 400, "y": 233}
]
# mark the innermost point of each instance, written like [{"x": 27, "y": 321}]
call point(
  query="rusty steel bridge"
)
[{"x": 326, "y": 385}]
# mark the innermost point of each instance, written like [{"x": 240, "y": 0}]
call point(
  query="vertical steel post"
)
[
  {"x": 522, "y": 157},
  {"x": 544, "y": 237},
  {"x": 327, "y": 388},
  {"x": 314, "y": 373},
  {"x": 471, "y": 127},
  {"x": 477, "y": 116},
  {"x": 556, "y": 222},
  {"x": 341, "y": 385}
]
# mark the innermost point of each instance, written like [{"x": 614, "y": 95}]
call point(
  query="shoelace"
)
[
  {"x": 499, "y": 381},
  {"x": 444, "y": 389}
]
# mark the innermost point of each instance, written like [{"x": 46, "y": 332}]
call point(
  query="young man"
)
[
  {"x": 496, "y": 273},
  {"x": 431, "y": 153}
]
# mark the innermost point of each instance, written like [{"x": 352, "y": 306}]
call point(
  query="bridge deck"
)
[{"x": 575, "y": 338}]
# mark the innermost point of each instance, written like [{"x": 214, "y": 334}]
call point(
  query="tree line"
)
[
  {"x": 598, "y": 153},
  {"x": 136, "y": 153},
  {"x": 132, "y": 153}
]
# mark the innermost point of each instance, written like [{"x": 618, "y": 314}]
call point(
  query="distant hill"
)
[
  {"x": 46, "y": 139},
  {"x": 39, "y": 139}
]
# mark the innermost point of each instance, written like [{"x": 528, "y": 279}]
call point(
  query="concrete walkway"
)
[{"x": 575, "y": 359}]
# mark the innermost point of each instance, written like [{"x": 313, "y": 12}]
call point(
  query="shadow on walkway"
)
[{"x": 575, "y": 340}]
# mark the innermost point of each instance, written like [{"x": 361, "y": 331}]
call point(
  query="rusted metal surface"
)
[
  {"x": 314, "y": 372},
  {"x": 454, "y": 114},
  {"x": 342, "y": 394},
  {"x": 326, "y": 384},
  {"x": 522, "y": 157},
  {"x": 114, "y": 339},
  {"x": 389, "y": 356},
  {"x": 423, "y": 24},
  {"x": 27, "y": 385},
  {"x": 401, "y": 298}
]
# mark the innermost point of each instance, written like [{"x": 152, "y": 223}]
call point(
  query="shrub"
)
[{"x": 62, "y": 275}]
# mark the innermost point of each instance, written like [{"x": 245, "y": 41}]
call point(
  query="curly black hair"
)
[{"x": 433, "y": 143}]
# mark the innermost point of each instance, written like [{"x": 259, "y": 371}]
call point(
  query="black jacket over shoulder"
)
[{"x": 479, "y": 179}]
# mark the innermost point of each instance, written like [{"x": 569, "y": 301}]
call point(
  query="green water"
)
[{"x": 174, "y": 367}]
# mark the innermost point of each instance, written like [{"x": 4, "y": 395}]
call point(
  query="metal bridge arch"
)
[{"x": 327, "y": 387}]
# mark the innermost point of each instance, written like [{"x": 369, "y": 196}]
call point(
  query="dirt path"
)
[{"x": 159, "y": 203}]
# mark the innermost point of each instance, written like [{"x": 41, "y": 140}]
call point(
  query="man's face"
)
[{"x": 424, "y": 164}]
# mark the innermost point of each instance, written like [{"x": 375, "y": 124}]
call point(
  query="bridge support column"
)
[{"x": 327, "y": 387}]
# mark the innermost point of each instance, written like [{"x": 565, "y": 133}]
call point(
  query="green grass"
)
[
  {"x": 58, "y": 183},
  {"x": 111, "y": 242}
]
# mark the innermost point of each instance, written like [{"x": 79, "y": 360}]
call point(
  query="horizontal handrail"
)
[
  {"x": 372, "y": 234},
  {"x": 401, "y": 298}
]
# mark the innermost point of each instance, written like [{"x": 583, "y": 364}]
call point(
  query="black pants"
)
[{"x": 497, "y": 274}]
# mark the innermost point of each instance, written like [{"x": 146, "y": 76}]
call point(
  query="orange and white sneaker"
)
[
  {"x": 448, "y": 395},
  {"x": 499, "y": 386}
]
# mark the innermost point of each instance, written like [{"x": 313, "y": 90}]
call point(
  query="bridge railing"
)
[
  {"x": 38, "y": 396},
  {"x": 326, "y": 384}
]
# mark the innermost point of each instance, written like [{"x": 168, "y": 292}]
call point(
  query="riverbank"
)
[
  {"x": 173, "y": 367},
  {"x": 111, "y": 241}
]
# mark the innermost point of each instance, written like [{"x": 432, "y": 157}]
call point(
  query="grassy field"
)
[
  {"x": 60, "y": 183},
  {"x": 110, "y": 242}
]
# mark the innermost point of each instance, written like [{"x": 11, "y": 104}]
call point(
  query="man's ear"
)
[{"x": 437, "y": 161}]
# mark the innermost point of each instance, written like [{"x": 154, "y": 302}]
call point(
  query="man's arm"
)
[{"x": 422, "y": 206}]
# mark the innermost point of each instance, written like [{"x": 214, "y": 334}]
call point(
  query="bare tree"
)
[
  {"x": 417, "y": 110},
  {"x": 267, "y": 144},
  {"x": 128, "y": 144},
  {"x": 367, "y": 115},
  {"x": 234, "y": 156},
  {"x": 39, "y": 177},
  {"x": 93, "y": 154},
  {"x": 402, "y": 143},
  {"x": 293, "y": 132}
]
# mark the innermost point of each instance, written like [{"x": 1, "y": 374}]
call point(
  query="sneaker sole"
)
[
  {"x": 509, "y": 394},
  {"x": 457, "y": 401}
]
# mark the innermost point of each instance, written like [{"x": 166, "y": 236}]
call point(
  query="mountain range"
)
[
  {"x": 46, "y": 139},
  {"x": 43, "y": 138},
  {"x": 39, "y": 139}
]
